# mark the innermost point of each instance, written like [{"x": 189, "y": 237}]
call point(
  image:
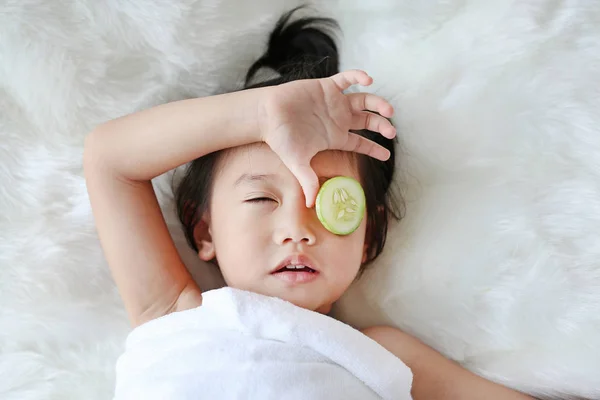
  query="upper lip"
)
[{"x": 296, "y": 259}]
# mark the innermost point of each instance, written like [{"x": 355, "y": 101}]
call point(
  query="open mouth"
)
[{"x": 295, "y": 268}]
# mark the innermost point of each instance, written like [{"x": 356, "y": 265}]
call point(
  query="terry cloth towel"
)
[{"x": 243, "y": 345}]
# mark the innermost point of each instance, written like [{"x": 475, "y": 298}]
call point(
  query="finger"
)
[
  {"x": 359, "y": 144},
  {"x": 345, "y": 79},
  {"x": 373, "y": 122},
  {"x": 367, "y": 101},
  {"x": 308, "y": 181}
]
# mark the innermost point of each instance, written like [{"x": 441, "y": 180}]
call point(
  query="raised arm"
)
[
  {"x": 122, "y": 156},
  {"x": 120, "y": 159}
]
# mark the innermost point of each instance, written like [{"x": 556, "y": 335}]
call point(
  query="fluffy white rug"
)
[{"x": 497, "y": 263}]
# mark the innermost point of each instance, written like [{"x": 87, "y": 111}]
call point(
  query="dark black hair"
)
[{"x": 302, "y": 49}]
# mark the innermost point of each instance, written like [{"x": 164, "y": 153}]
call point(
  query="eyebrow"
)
[{"x": 250, "y": 178}]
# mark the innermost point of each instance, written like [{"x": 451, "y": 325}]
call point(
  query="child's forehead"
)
[{"x": 259, "y": 159}]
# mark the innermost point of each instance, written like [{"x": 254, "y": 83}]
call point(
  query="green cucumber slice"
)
[{"x": 341, "y": 205}]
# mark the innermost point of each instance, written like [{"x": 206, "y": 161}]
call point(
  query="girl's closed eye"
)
[{"x": 261, "y": 199}]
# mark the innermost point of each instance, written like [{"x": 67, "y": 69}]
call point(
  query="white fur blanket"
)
[
  {"x": 497, "y": 262},
  {"x": 243, "y": 345}
]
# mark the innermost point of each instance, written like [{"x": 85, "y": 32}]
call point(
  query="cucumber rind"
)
[{"x": 321, "y": 203}]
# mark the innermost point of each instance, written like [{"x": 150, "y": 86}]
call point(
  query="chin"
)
[
  {"x": 325, "y": 309},
  {"x": 308, "y": 304}
]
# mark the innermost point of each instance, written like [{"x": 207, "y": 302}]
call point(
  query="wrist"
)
[
  {"x": 265, "y": 102},
  {"x": 242, "y": 122}
]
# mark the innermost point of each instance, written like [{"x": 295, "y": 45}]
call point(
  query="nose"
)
[{"x": 295, "y": 224}]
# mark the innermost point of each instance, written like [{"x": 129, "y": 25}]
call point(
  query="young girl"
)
[{"x": 258, "y": 157}]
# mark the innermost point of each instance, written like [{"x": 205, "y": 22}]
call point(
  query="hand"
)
[{"x": 302, "y": 118}]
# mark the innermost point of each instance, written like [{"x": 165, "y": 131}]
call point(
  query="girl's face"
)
[{"x": 258, "y": 222}]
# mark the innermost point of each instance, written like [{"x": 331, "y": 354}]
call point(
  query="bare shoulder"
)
[
  {"x": 387, "y": 336},
  {"x": 380, "y": 332},
  {"x": 404, "y": 346}
]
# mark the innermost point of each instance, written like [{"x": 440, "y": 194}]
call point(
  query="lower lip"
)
[{"x": 296, "y": 276}]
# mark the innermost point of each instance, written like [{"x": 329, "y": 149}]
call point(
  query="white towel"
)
[{"x": 243, "y": 345}]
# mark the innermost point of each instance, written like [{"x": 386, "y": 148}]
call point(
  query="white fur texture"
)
[{"x": 497, "y": 262}]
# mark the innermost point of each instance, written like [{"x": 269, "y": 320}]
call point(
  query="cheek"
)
[
  {"x": 359, "y": 243},
  {"x": 234, "y": 236},
  {"x": 350, "y": 249},
  {"x": 238, "y": 243},
  {"x": 348, "y": 259}
]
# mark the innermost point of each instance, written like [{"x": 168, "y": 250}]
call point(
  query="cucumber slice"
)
[{"x": 341, "y": 205}]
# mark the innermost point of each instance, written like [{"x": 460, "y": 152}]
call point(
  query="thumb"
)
[{"x": 308, "y": 181}]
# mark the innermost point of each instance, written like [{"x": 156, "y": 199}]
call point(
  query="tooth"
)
[{"x": 295, "y": 266}]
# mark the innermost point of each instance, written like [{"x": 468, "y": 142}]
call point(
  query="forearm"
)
[
  {"x": 436, "y": 377},
  {"x": 143, "y": 145}
]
